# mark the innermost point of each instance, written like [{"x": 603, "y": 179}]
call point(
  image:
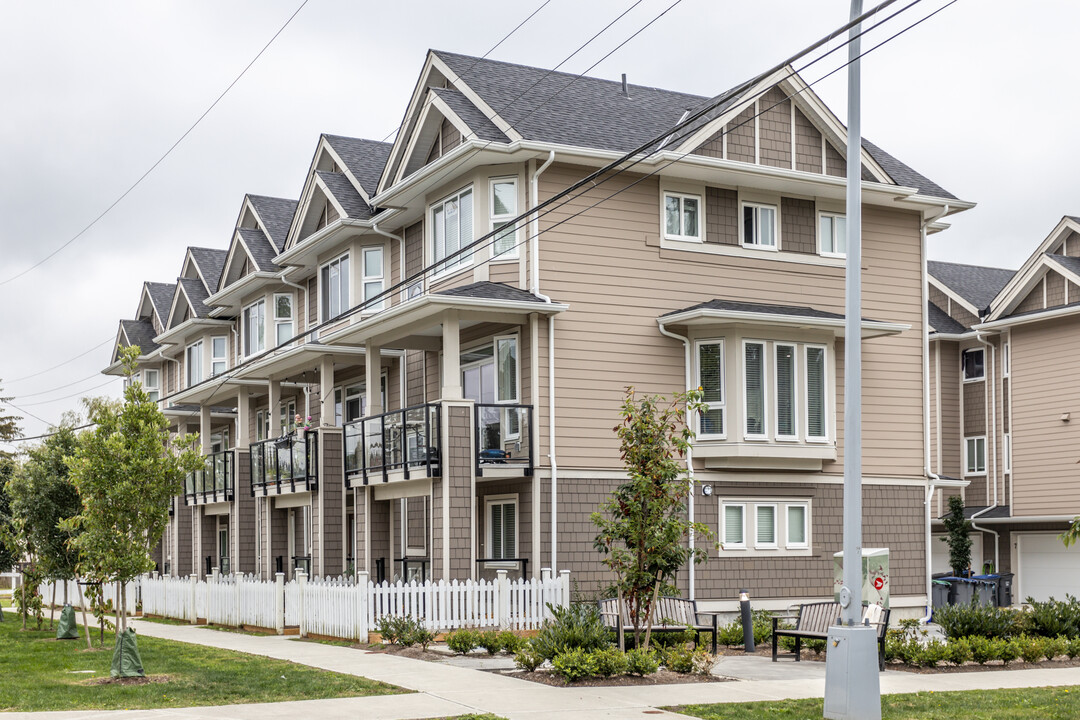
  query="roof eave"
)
[{"x": 712, "y": 316}]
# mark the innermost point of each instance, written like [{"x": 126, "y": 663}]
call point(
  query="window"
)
[
  {"x": 218, "y": 353},
  {"x": 710, "y": 369},
  {"x": 734, "y": 530},
  {"x": 832, "y": 234},
  {"x": 786, "y": 401},
  {"x": 255, "y": 328},
  {"x": 765, "y": 526},
  {"x": 1006, "y": 452},
  {"x": 350, "y": 401},
  {"x": 503, "y": 211},
  {"x": 502, "y": 528},
  {"x": 975, "y": 456},
  {"x": 816, "y": 428},
  {"x": 287, "y": 416},
  {"x": 971, "y": 363},
  {"x": 334, "y": 287},
  {"x": 759, "y": 226},
  {"x": 452, "y": 229},
  {"x": 754, "y": 389},
  {"x": 283, "y": 318},
  {"x": 506, "y": 356},
  {"x": 373, "y": 278},
  {"x": 1006, "y": 360},
  {"x": 262, "y": 425},
  {"x": 151, "y": 384},
  {"x": 193, "y": 363},
  {"x": 682, "y": 217},
  {"x": 796, "y": 527}
]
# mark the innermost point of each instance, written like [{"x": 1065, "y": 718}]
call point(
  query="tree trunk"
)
[
  {"x": 122, "y": 595},
  {"x": 86, "y": 625},
  {"x": 116, "y": 608},
  {"x": 649, "y": 616},
  {"x": 52, "y": 606}
]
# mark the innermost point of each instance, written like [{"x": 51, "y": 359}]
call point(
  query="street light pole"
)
[{"x": 852, "y": 685}]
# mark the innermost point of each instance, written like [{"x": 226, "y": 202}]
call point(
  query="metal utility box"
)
[{"x": 875, "y": 573}]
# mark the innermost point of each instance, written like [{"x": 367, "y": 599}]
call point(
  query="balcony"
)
[
  {"x": 214, "y": 483},
  {"x": 503, "y": 440},
  {"x": 285, "y": 465},
  {"x": 396, "y": 445}
]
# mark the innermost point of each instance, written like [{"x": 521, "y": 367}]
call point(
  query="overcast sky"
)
[{"x": 979, "y": 98}]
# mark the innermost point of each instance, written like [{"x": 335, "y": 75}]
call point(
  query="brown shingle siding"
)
[
  {"x": 775, "y": 124},
  {"x": 798, "y": 226},
  {"x": 721, "y": 216},
  {"x": 807, "y": 144}
]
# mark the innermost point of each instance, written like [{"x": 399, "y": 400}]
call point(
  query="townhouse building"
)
[
  {"x": 1004, "y": 387},
  {"x": 462, "y": 396}
]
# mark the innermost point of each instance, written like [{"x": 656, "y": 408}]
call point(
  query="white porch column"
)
[
  {"x": 274, "y": 409},
  {"x": 326, "y": 391},
  {"x": 373, "y": 367},
  {"x": 204, "y": 428},
  {"x": 451, "y": 374},
  {"x": 243, "y": 419}
]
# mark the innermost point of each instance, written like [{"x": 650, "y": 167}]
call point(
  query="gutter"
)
[
  {"x": 689, "y": 451},
  {"x": 1025, "y": 519}
]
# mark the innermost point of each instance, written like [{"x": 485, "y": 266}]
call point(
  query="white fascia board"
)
[
  {"x": 298, "y": 256},
  {"x": 977, "y": 312},
  {"x": 463, "y": 87},
  {"x": 945, "y": 482},
  {"x": 231, "y": 294},
  {"x": 1052, "y": 313},
  {"x": 1066, "y": 223},
  {"x": 329, "y": 196},
  {"x": 705, "y": 316},
  {"x": 180, "y": 331},
  {"x": 265, "y": 366},
  {"x": 953, "y": 336},
  {"x": 406, "y": 125}
]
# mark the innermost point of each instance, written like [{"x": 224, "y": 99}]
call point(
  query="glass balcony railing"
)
[
  {"x": 214, "y": 483},
  {"x": 405, "y": 440},
  {"x": 285, "y": 463},
  {"x": 504, "y": 439}
]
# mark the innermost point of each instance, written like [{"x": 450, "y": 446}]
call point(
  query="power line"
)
[
  {"x": 23, "y": 396},
  {"x": 161, "y": 159},
  {"x": 11, "y": 404},
  {"x": 42, "y": 372},
  {"x": 66, "y": 397},
  {"x": 50, "y": 434}
]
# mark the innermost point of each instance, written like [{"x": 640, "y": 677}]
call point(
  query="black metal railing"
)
[
  {"x": 504, "y": 437},
  {"x": 285, "y": 462},
  {"x": 302, "y": 562},
  {"x": 213, "y": 483},
  {"x": 408, "y": 440},
  {"x": 488, "y": 568}
]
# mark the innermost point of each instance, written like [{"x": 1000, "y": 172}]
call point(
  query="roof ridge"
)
[
  {"x": 971, "y": 265},
  {"x": 358, "y": 139}
]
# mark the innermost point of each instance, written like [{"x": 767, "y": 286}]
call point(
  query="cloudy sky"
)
[{"x": 979, "y": 98}]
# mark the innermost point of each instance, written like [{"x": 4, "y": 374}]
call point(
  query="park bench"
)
[
  {"x": 671, "y": 614},
  {"x": 813, "y": 623}
]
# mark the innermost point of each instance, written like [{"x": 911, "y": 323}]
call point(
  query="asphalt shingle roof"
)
[
  {"x": 1069, "y": 263},
  {"x": 277, "y": 215},
  {"x": 260, "y": 249},
  {"x": 977, "y": 284},
  {"x": 491, "y": 291},
  {"x": 477, "y": 121},
  {"x": 161, "y": 295},
  {"x": 365, "y": 159},
  {"x": 345, "y": 194},
  {"x": 196, "y": 293},
  {"x": 211, "y": 263},
  {"x": 760, "y": 308},
  {"x": 942, "y": 322},
  {"x": 141, "y": 333},
  {"x": 904, "y": 175}
]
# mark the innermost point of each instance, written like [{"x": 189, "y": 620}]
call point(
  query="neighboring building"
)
[
  {"x": 463, "y": 422},
  {"x": 1004, "y": 388}
]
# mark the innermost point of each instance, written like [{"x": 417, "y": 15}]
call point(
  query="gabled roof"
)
[
  {"x": 141, "y": 333},
  {"x": 345, "y": 194},
  {"x": 942, "y": 322},
  {"x": 210, "y": 263},
  {"x": 260, "y": 249},
  {"x": 276, "y": 215},
  {"x": 904, "y": 175},
  {"x": 976, "y": 284},
  {"x": 491, "y": 291},
  {"x": 196, "y": 293},
  {"x": 479, "y": 123},
  {"x": 365, "y": 159},
  {"x": 1071, "y": 264},
  {"x": 161, "y": 295}
]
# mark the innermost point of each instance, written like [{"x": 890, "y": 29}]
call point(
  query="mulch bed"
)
[
  {"x": 148, "y": 680},
  {"x": 992, "y": 665},
  {"x": 662, "y": 677}
]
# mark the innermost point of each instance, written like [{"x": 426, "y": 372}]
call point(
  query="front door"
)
[{"x": 223, "y": 545}]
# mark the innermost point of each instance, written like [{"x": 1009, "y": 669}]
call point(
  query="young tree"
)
[
  {"x": 9, "y": 430},
  {"x": 127, "y": 472},
  {"x": 643, "y": 526},
  {"x": 957, "y": 539},
  {"x": 1070, "y": 536},
  {"x": 9, "y": 425}
]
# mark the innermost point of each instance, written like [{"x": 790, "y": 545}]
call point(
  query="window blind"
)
[
  {"x": 815, "y": 392},
  {"x": 755, "y": 388},
  {"x": 785, "y": 390},
  {"x": 711, "y": 380},
  {"x": 733, "y": 525},
  {"x": 766, "y": 525}
]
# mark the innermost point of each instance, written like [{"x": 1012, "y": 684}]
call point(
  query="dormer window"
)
[
  {"x": 255, "y": 328},
  {"x": 334, "y": 287}
]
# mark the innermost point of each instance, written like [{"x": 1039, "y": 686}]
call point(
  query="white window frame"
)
[
  {"x": 365, "y": 279},
  {"x": 287, "y": 415},
  {"x": 215, "y": 359},
  {"x": 794, "y": 436},
  {"x": 723, "y": 525},
  {"x": 967, "y": 452},
  {"x": 963, "y": 365},
  {"x": 446, "y": 268},
  {"x": 188, "y": 365},
  {"x": 413, "y": 550},
  {"x": 325, "y": 304},
  {"x": 756, "y": 244},
  {"x": 835, "y": 236},
  {"x": 489, "y": 501},
  {"x": 262, "y": 425},
  {"x": 153, "y": 389},
  {"x": 497, "y": 221},
  {"x": 681, "y": 236},
  {"x": 806, "y": 526},
  {"x": 279, "y": 321},
  {"x": 256, "y": 347},
  {"x": 775, "y": 544},
  {"x": 1006, "y": 452},
  {"x": 824, "y": 393},
  {"x": 722, "y": 405},
  {"x": 764, "y": 435}
]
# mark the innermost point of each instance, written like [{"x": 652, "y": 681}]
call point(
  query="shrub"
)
[
  {"x": 574, "y": 664},
  {"x": 1072, "y": 648},
  {"x": 462, "y": 641},
  {"x": 982, "y": 649},
  {"x": 732, "y": 635},
  {"x": 1007, "y": 650},
  {"x": 527, "y": 658},
  {"x": 406, "y": 631},
  {"x": 1031, "y": 648},
  {"x": 959, "y": 621},
  {"x": 679, "y": 659},
  {"x": 642, "y": 662},
  {"x": 932, "y": 653},
  {"x": 1054, "y": 618},
  {"x": 490, "y": 641},
  {"x": 1055, "y": 647},
  {"x": 609, "y": 662},
  {"x": 703, "y": 661},
  {"x": 960, "y": 651},
  {"x": 510, "y": 642},
  {"x": 818, "y": 646},
  {"x": 577, "y": 627}
]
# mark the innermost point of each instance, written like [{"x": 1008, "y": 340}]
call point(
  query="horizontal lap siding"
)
[
  {"x": 606, "y": 265},
  {"x": 950, "y": 409},
  {"x": 1045, "y": 379}
]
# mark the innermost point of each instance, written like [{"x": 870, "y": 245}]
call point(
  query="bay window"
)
[
  {"x": 754, "y": 389},
  {"x": 218, "y": 352},
  {"x": 503, "y": 211},
  {"x": 283, "y": 318},
  {"x": 151, "y": 384},
  {"x": 710, "y": 378},
  {"x": 816, "y": 428},
  {"x": 254, "y": 326},
  {"x": 452, "y": 229},
  {"x": 334, "y": 288}
]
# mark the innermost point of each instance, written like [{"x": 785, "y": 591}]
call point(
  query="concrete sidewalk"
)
[{"x": 443, "y": 689}]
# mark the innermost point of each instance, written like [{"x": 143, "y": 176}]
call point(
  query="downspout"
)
[
  {"x": 534, "y": 286},
  {"x": 991, "y": 425},
  {"x": 931, "y": 477},
  {"x": 689, "y": 450}
]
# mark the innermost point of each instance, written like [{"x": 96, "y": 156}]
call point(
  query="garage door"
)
[
  {"x": 1046, "y": 567},
  {"x": 939, "y": 553}
]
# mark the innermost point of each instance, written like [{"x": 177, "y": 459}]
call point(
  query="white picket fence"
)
[
  {"x": 351, "y": 609},
  {"x": 132, "y": 589}
]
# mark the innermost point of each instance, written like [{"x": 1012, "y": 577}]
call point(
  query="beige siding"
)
[
  {"x": 504, "y": 272},
  {"x": 775, "y": 124},
  {"x": 1070, "y": 245},
  {"x": 1046, "y": 379},
  {"x": 721, "y": 216},
  {"x": 807, "y": 144},
  {"x": 798, "y": 226},
  {"x": 451, "y": 137},
  {"x": 1055, "y": 289}
]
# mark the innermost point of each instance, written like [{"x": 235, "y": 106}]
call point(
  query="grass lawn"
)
[
  {"x": 1057, "y": 703},
  {"x": 222, "y": 628},
  {"x": 44, "y": 677}
]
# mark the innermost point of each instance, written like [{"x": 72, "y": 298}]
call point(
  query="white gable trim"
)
[
  {"x": 147, "y": 297},
  {"x": 1016, "y": 293},
  {"x": 172, "y": 309},
  {"x": 468, "y": 92},
  {"x": 304, "y": 204},
  {"x": 325, "y": 146},
  {"x": 434, "y": 101},
  {"x": 999, "y": 307},
  {"x": 190, "y": 258},
  {"x": 977, "y": 312}
]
